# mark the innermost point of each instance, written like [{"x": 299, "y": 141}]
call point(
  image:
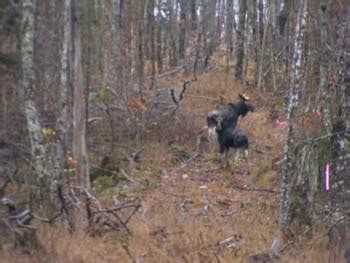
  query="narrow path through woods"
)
[{"x": 196, "y": 206}]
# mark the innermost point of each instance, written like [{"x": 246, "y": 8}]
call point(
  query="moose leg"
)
[
  {"x": 223, "y": 156},
  {"x": 237, "y": 155},
  {"x": 226, "y": 157}
]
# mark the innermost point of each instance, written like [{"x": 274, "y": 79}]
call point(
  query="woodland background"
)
[{"x": 103, "y": 155}]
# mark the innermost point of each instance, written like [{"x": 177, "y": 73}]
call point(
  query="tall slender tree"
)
[
  {"x": 240, "y": 39},
  {"x": 293, "y": 100},
  {"x": 229, "y": 28},
  {"x": 183, "y": 26},
  {"x": 194, "y": 16},
  {"x": 340, "y": 188},
  {"x": 59, "y": 149},
  {"x": 159, "y": 38},
  {"x": 324, "y": 57},
  {"x": 152, "y": 38},
  {"x": 28, "y": 89},
  {"x": 79, "y": 112}
]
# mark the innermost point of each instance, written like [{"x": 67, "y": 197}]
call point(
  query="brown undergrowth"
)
[{"x": 190, "y": 208}]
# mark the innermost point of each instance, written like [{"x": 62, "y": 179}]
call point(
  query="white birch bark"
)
[
  {"x": 293, "y": 100},
  {"x": 28, "y": 89}
]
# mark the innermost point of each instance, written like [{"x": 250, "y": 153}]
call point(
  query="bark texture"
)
[
  {"x": 240, "y": 39},
  {"x": 79, "y": 115},
  {"x": 293, "y": 100},
  {"x": 324, "y": 57},
  {"x": 28, "y": 89},
  {"x": 229, "y": 28}
]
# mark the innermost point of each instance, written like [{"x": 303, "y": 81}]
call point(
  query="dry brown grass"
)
[{"x": 162, "y": 232}]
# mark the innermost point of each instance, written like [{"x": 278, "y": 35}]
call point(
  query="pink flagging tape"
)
[{"x": 327, "y": 177}]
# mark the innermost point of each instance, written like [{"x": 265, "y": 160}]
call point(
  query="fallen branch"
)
[
  {"x": 104, "y": 216},
  {"x": 126, "y": 176},
  {"x": 193, "y": 157},
  {"x": 256, "y": 189},
  {"x": 18, "y": 221}
]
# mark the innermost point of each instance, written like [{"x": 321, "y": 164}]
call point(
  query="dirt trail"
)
[{"x": 196, "y": 206}]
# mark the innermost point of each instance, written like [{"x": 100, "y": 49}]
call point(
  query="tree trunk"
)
[
  {"x": 274, "y": 18},
  {"x": 140, "y": 47},
  {"x": 340, "y": 185},
  {"x": 28, "y": 89},
  {"x": 79, "y": 112},
  {"x": 305, "y": 183},
  {"x": 173, "y": 50},
  {"x": 194, "y": 16},
  {"x": 152, "y": 36},
  {"x": 183, "y": 23},
  {"x": 204, "y": 25},
  {"x": 159, "y": 42},
  {"x": 262, "y": 51},
  {"x": 210, "y": 24},
  {"x": 261, "y": 21},
  {"x": 65, "y": 81},
  {"x": 252, "y": 16},
  {"x": 229, "y": 28},
  {"x": 324, "y": 57},
  {"x": 117, "y": 46},
  {"x": 283, "y": 17},
  {"x": 240, "y": 39},
  {"x": 219, "y": 23},
  {"x": 58, "y": 150},
  {"x": 284, "y": 25},
  {"x": 293, "y": 100}
]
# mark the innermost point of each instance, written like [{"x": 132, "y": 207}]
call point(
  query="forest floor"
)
[{"x": 192, "y": 210}]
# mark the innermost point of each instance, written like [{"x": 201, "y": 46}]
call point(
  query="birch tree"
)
[
  {"x": 293, "y": 100},
  {"x": 28, "y": 89}
]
